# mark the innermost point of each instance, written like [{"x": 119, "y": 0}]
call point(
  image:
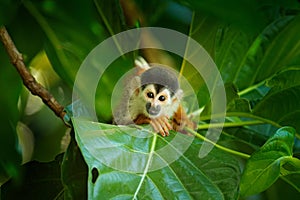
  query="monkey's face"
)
[{"x": 157, "y": 99}]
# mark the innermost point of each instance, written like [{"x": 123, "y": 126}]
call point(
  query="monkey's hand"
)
[
  {"x": 181, "y": 120},
  {"x": 161, "y": 125}
]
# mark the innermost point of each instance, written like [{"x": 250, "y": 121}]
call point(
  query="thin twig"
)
[{"x": 28, "y": 80}]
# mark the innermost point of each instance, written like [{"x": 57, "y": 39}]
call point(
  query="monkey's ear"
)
[
  {"x": 179, "y": 94},
  {"x": 141, "y": 65}
]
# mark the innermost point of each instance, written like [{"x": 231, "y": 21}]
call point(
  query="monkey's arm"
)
[
  {"x": 180, "y": 120},
  {"x": 142, "y": 119}
]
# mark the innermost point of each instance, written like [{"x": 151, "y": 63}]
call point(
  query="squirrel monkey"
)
[{"x": 153, "y": 97}]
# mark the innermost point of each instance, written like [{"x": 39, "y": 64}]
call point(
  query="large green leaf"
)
[
  {"x": 243, "y": 54},
  {"x": 273, "y": 159},
  {"x": 106, "y": 147}
]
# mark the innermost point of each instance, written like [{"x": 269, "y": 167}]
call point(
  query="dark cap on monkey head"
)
[{"x": 160, "y": 76}]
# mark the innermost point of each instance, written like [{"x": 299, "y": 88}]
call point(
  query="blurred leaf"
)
[
  {"x": 215, "y": 176},
  {"x": 20, "y": 28},
  {"x": 70, "y": 35},
  {"x": 250, "y": 16},
  {"x": 39, "y": 181},
  {"x": 106, "y": 86},
  {"x": 265, "y": 166},
  {"x": 111, "y": 16},
  {"x": 10, "y": 86},
  {"x": 203, "y": 30},
  {"x": 8, "y": 9}
]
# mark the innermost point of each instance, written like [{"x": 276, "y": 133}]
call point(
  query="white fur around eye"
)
[
  {"x": 149, "y": 88},
  {"x": 166, "y": 93}
]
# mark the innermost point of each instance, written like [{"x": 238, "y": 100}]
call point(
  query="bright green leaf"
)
[
  {"x": 215, "y": 176},
  {"x": 265, "y": 166}
]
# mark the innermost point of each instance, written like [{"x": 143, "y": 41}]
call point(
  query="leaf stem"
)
[
  {"x": 147, "y": 166},
  {"x": 253, "y": 87},
  {"x": 229, "y": 124},
  {"x": 201, "y": 137},
  {"x": 242, "y": 114}
]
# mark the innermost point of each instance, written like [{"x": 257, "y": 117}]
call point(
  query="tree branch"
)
[{"x": 28, "y": 80}]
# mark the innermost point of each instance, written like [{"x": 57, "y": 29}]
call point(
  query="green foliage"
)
[
  {"x": 8, "y": 9},
  {"x": 74, "y": 172},
  {"x": 273, "y": 159},
  {"x": 285, "y": 88},
  {"x": 256, "y": 47},
  {"x": 10, "y": 156},
  {"x": 215, "y": 176},
  {"x": 38, "y": 176}
]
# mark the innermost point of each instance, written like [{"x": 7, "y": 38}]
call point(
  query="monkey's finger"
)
[
  {"x": 159, "y": 128},
  {"x": 165, "y": 128},
  {"x": 155, "y": 126},
  {"x": 164, "y": 124},
  {"x": 165, "y": 120}
]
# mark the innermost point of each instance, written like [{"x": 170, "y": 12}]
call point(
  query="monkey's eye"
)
[
  {"x": 162, "y": 98},
  {"x": 150, "y": 95}
]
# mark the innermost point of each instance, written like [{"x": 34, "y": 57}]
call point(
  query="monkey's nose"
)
[{"x": 152, "y": 110}]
